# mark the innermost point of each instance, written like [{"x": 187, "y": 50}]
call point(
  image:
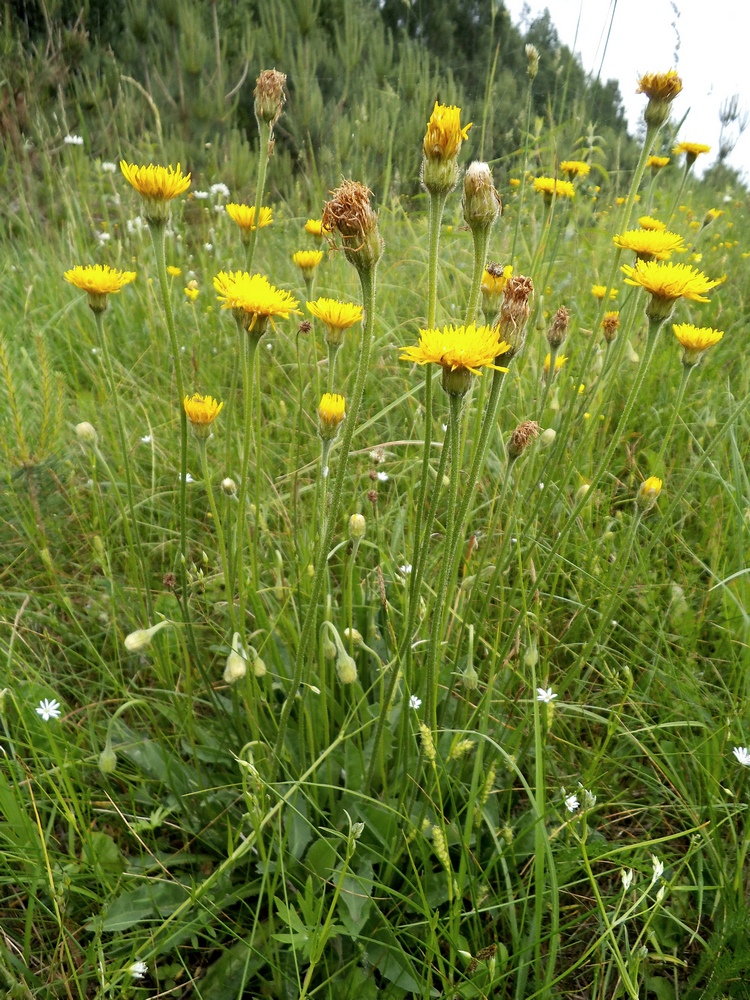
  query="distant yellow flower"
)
[
  {"x": 175, "y": 272},
  {"x": 192, "y": 291},
  {"x": 660, "y": 86},
  {"x": 253, "y": 299},
  {"x": 201, "y": 412},
  {"x": 695, "y": 225},
  {"x": 514, "y": 182},
  {"x": 691, "y": 149},
  {"x": 549, "y": 186},
  {"x": 98, "y": 281},
  {"x": 695, "y": 340},
  {"x": 314, "y": 227},
  {"x": 307, "y": 261},
  {"x": 657, "y": 162},
  {"x": 599, "y": 291},
  {"x": 621, "y": 201},
  {"x": 337, "y": 317},
  {"x": 244, "y": 216},
  {"x": 649, "y": 244},
  {"x": 460, "y": 350},
  {"x": 331, "y": 412},
  {"x": 575, "y": 168},
  {"x": 712, "y": 214},
  {"x": 445, "y": 133},
  {"x": 559, "y": 362},
  {"x": 157, "y": 186},
  {"x": 647, "y": 222},
  {"x": 669, "y": 282}
]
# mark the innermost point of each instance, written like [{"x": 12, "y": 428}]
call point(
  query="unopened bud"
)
[
  {"x": 86, "y": 433},
  {"x": 558, "y": 331},
  {"x": 236, "y": 666},
  {"x": 547, "y": 436},
  {"x": 346, "y": 668},
  {"x": 107, "y": 759},
  {"x": 142, "y": 637},
  {"x": 259, "y": 665},
  {"x": 648, "y": 493},
  {"x": 229, "y": 486},
  {"x": 355, "y": 636},
  {"x": 481, "y": 202},
  {"x": 356, "y": 527}
]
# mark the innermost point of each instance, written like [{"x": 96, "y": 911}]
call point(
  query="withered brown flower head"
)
[
  {"x": 522, "y": 437},
  {"x": 610, "y": 326},
  {"x": 514, "y": 314},
  {"x": 305, "y": 326},
  {"x": 558, "y": 331},
  {"x": 269, "y": 96},
  {"x": 350, "y": 214}
]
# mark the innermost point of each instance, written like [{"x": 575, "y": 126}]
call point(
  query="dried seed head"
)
[
  {"x": 558, "y": 331},
  {"x": 522, "y": 437},
  {"x": 269, "y": 96},
  {"x": 514, "y": 313},
  {"x": 350, "y": 214}
]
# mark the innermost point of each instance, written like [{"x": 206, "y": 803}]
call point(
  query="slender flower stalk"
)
[
  {"x": 223, "y": 550},
  {"x": 481, "y": 205},
  {"x": 269, "y": 103}
]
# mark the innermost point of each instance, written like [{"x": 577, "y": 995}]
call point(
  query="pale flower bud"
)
[
  {"x": 229, "y": 487},
  {"x": 481, "y": 202},
  {"x": 142, "y": 637},
  {"x": 356, "y": 527},
  {"x": 236, "y": 667},
  {"x": 547, "y": 437},
  {"x": 107, "y": 759},
  {"x": 648, "y": 493},
  {"x": 86, "y": 433},
  {"x": 346, "y": 668}
]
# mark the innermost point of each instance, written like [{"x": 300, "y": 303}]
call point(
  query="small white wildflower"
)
[
  {"x": 188, "y": 478},
  {"x": 587, "y": 798},
  {"x": 221, "y": 189},
  {"x": 48, "y": 709},
  {"x": 661, "y": 893},
  {"x": 445, "y": 428},
  {"x": 743, "y": 755},
  {"x": 94, "y": 350},
  {"x": 405, "y": 569},
  {"x": 628, "y": 877},
  {"x": 138, "y": 970},
  {"x": 383, "y": 477},
  {"x": 658, "y": 869},
  {"x": 107, "y": 167},
  {"x": 201, "y": 195},
  {"x": 146, "y": 439},
  {"x": 208, "y": 247},
  {"x": 415, "y": 702},
  {"x": 572, "y": 803},
  {"x": 545, "y": 695},
  {"x": 103, "y": 238},
  {"x": 541, "y": 486},
  {"x": 73, "y": 140},
  {"x": 135, "y": 225}
]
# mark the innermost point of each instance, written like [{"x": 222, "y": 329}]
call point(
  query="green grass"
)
[{"x": 435, "y": 866}]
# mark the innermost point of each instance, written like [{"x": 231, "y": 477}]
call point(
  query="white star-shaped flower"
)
[
  {"x": 743, "y": 756},
  {"x": 138, "y": 970},
  {"x": 658, "y": 869},
  {"x": 572, "y": 803},
  {"x": 414, "y": 702},
  {"x": 48, "y": 709},
  {"x": 628, "y": 877},
  {"x": 545, "y": 695}
]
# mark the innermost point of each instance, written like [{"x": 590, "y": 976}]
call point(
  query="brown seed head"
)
[
  {"x": 514, "y": 313},
  {"x": 269, "y": 96},
  {"x": 350, "y": 214},
  {"x": 372, "y": 496},
  {"x": 305, "y": 326},
  {"x": 558, "y": 331},
  {"x": 522, "y": 437}
]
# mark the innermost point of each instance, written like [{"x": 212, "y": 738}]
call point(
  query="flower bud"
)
[
  {"x": 494, "y": 280},
  {"x": 547, "y": 436},
  {"x": 346, "y": 668},
  {"x": 648, "y": 493},
  {"x": 329, "y": 647},
  {"x": 236, "y": 666},
  {"x": 481, "y": 202},
  {"x": 107, "y": 759},
  {"x": 582, "y": 491},
  {"x": 259, "y": 665},
  {"x": 355, "y": 636},
  {"x": 269, "y": 96},
  {"x": 356, "y": 527},
  {"x": 229, "y": 487},
  {"x": 558, "y": 331},
  {"x": 142, "y": 637},
  {"x": 331, "y": 412},
  {"x": 610, "y": 325},
  {"x": 86, "y": 433}
]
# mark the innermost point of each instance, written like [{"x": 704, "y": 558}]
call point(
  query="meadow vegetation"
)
[{"x": 375, "y": 612}]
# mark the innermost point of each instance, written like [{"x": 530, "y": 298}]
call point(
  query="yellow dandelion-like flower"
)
[
  {"x": 157, "y": 186},
  {"x": 648, "y": 493},
  {"x": 649, "y": 244},
  {"x": 192, "y": 291},
  {"x": 337, "y": 317},
  {"x": 599, "y": 291},
  {"x": 575, "y": 168},
  {"x": 549, "y": 186},
  {"x": 307, "y": 260},
  {"x": 695, "y": 225},
  {"x": 314, "y": 227},
  {"x": 712, "y": 214},
  {"x": 691, "y": 149},
  {"x": 695, "y": 340},
  {"x": 98, "y": 281},
  {"x": 559, "y": 362},
  {"x": 173, "y": 271},
  {"x": 244, "y": 216},
  {"x": 495, "y": 278},
  {"x": 201, "y": 411},
  {"x": 460, "y": 350},
  {"x": 657, "y": 162},
  {"x": 514, "y": 182},
  {"x": 331, "y": 412},
  {"x": 660, "y": 86},
  {"x": 253, "y": 299},
  {"x": 669, "y": 282},
  {"x": 647, "y": 222},
  {"x": 445, "y": 133}
]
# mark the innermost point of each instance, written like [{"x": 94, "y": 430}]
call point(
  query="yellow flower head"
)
[
  {"x": 244, "y": 216},
  {"x": 98, "y": 281},
  {"x": 463, "y": 350},
  {"x": 657, "y": 162},
  {"x": 549, "y": 186},
  {"x": 331, "y": 412},
  {"x": 695, "y": 340},
  {"x": 514, "y": 182},
  {"x": 662, "y": 87},
  {"x": 445, "y": 133},
  {"x": 648, "y": 493},
  {"x": 157, "y": 185},
  {"x": 575, "y": 168},
  {"x": 559, "y": 362},
  {"x": 691, "y": 149},
  {"x": 610, "y": 325},
  {"x": 647, "y": 222},
  {"x": 314, "y": 227},
  {"x": 649, "y": 244},
  {"x": 307, "y": 260},
  {"x": 253, "y": 299},
  {"x": 337, "y": 316},
  {"x": 668, "y": 282},
  {"x": 173, "y": 271},
  {"x": 201, "y": 411},
  {"x": 495, "y": 278},
  {"x": 712, "y": 214},
  {"x": 599, "y": 291},
  {"x": 192, "y": 291}
]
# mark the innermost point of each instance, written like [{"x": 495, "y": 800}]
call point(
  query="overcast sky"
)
[{"x": 708, "y": 41}]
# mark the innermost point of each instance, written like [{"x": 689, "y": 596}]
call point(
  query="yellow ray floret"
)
[
  {"x": 670, "y": 281},
  {"x": 99, "y": 279},
  {"x": 650, "y": 244},
  {"x": 244, "y": 216},
  {"x": 660, "y": 86},
  {"x": 493, "y": 283},
  {"x": 445, "y": 133},
  {"x": 549, "y": 186},
  {"x": 691, "y": 148},
  {"x": 657, "y": 162},
  {"x": 647, "y": 222},
  {"x": 307, "y": 260},
  {"x": 155, "y": 182},
  {"x": 331, "y": 410},
  {"x": 337, "y": 315},
  {"x": 696, "y": 338},
  {"x": 559, "y": 362},
  {"x": 599, "y": 291},
  {"x": 314, "y": 227},
  {"x": 467, "y": 348},
  {"x": 575, "y": 168},
  {"x": 253, "y": 294},
  {"x": 201, "y": 410}
]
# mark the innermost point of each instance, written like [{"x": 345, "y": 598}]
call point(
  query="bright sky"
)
[{"x": 705, "y": 40}]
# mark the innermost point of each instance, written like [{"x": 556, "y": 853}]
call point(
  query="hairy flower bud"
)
[
  {"x": 558, "y": 331},
  {"x": 269, "y": 96},
  {"x": 514, "y": 314},
  {"x": 481, "y": 202},
  {"x": 522, "y": 437},
  {"x": 350, "y": 214}
]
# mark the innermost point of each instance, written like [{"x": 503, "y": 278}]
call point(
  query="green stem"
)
[
  {"x": 264, "y": 140},
  {"x": 686, "y": 369},
  {"x": 250, "y": 350},
  {"x": 681, "y": 188},
  {"x": 223, "y": 551},
  {"x": 481, "y": 239},
  {"x": 333, "y": 350},
  {"x": 548, "y": 380},
  {"x": 523, "y": 176},
  {"x": 368, "y": 281}
]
